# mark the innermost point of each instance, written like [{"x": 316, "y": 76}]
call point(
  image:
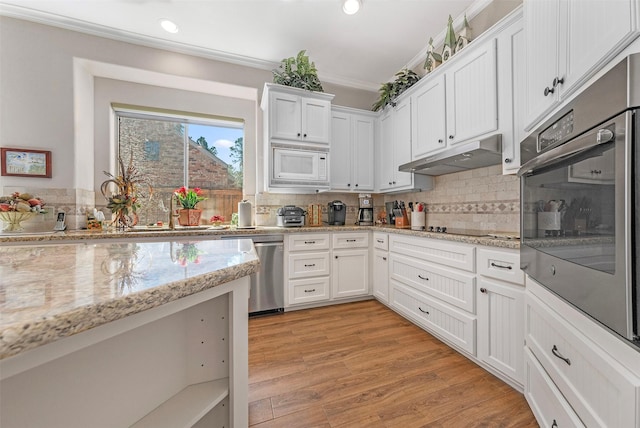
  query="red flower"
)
[{"x": 197, "y": 190}]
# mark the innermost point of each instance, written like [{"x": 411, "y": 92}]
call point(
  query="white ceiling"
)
[{"x": 361, "y": 50}]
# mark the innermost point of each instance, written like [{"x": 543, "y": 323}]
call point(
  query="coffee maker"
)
[
  {"x": 365, "y": 213},
  {"x": 336, "y": 213}
]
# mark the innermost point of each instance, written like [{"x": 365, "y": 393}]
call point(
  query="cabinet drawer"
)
[
  {"x": 381, "y": 241},
  {"x": 311, "y": 241},
  {"x": 600, "y": 390},
  {"x": 308, "y": 290},
  {"x": 453, "y": 325},
  {"x": 548, "y": 405},
  {"x": 500, "y": 264},
  {"x": 459, "y": 256},
  {"x": 306, "y": 265},
  {"x": 450, "y": 285},
  {"x": 351, "y": 240}
]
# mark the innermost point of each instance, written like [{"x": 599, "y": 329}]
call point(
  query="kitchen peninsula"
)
[{"x": 125, "y": 333}]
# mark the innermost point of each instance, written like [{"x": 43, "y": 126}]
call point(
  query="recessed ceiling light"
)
[
  {"x": 169, "y": 26},
  {"x": 351, "y": 7}
]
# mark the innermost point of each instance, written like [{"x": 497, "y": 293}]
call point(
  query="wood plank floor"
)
[{"x": 362, "y": 365}]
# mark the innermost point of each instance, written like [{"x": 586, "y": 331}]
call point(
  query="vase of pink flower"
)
[{"x": 216, "y": 220}]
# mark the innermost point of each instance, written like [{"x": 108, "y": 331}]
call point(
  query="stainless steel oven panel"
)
[{"x": 559, "y": 264}]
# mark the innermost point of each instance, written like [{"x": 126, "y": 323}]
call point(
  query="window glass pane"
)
[{"x": 214, "y": 164}]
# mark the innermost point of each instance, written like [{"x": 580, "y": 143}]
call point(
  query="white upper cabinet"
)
[
  {"x": 298, "y": 116},
  {"x": 352, "y": 150},
  {"x": 472, "y": 95},
  {"x": 457, "y": 105},
  {"x": 395, "y": 125},
  {"x": 567, "y": 42},
  {"x": 429, "y": 118}
]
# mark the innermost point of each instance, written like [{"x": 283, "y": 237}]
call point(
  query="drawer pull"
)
[
  {"x": 422, "y": 277},
  {"x": 309, "y": 242},
  {"x": 500, "y": 266},
  {"x": 311, "y": 265},
  {"x": 554, "y": 424},
  {"x": 310, "y": 291},
  {"x": 380, "y": 241},
  {"x": 351, "y": 240},
  {"x": 557, "y": 353},
  {"x": 423, "y": 311}
]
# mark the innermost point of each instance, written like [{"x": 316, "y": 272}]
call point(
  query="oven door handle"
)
[{"x": 560, "y": 153}]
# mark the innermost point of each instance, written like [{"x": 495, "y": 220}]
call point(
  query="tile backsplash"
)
[{"x": 481, "y": 199}]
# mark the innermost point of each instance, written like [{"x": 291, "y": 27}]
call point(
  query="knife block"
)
[{"x": 402, "y": 222}]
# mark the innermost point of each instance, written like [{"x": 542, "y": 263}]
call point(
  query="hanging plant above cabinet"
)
[
  {"x": 298, "y": 72},
  {"x": 391, "y": 90}
]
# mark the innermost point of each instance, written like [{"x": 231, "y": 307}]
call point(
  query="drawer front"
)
[
  {"x": 455, "y": 326},
  {"x": 457, "y": 255},
  {"x": 598, "y": 388},
  {"x": 308, "y": 290},
  {"x": 351, "y": 240},
  {"x": 450, "y": 285},
  {"x": 306, "y": 265},
  {"x": 546, "y": 402},
  {"x": 381, "y": 241},
  {"x": 500, "y": 264},
  {"x": 309, "y": 241}
]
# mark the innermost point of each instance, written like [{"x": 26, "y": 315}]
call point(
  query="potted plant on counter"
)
[{"x": 189, "y": 215}]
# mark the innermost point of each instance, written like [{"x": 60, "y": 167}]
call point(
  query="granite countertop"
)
[
  {"x": 210, "y": 233},
  {"x": 48, "y": 292}
]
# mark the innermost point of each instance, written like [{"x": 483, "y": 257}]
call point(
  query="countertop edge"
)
[{"x": 259, "y": 230}]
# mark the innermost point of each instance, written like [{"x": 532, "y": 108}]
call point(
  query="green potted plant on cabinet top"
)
[
  {"x": 298, "y": 72},
  {"x": 391, "y": 90}
]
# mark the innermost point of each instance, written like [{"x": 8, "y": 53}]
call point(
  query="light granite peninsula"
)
[{"x": 120, "y": 334}]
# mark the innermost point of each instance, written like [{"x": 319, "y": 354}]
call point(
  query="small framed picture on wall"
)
[{"x": 25, "y": 162}]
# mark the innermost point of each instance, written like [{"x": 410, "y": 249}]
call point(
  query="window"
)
[{"x": 174, "y": 151}]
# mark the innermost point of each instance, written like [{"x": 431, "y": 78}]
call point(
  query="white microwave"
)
[{"x": 299, "y": 167}]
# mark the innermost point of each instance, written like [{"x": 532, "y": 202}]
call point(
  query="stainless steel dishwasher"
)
[{"x": 267, "y": 285}]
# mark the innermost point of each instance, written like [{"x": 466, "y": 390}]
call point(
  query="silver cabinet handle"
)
[
  {"x": 500, "y": 266},
  {"x": 557, "y": 353},
  {"x": 422, "y": 277},
  {"x": 558, "y": 81},
  {"x": 507, "y": 160}
]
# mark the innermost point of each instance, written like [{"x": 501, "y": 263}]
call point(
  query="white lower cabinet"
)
[
  {"x": 433, "y": 284},
  {"x": 308, "y": 268},
  {"x": 500, "y": 306},
  {"x": 350, "y": 265},
  {"x": 380, "y": 272},
  {"x": 350, "y": 273},
  {"x": 585, "y": 367}
]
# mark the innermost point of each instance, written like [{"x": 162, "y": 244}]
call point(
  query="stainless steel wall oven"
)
[{"x": 580, "y": 224}]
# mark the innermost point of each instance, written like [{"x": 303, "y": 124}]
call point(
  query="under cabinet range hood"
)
[{"x": 471, "y": 155}]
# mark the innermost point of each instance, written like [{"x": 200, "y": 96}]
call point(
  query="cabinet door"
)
[
  {"x": 596, "y": 30},
  {"x": 541, "y": 23},
  {"x": 316, "y": 115},
  {"x": 402, "y": 143},
  {"x": 381, "y": 275},
  {"x": 284, "y": 116},
  {"x": 429, "y": 118},
  {"x": 350, "y": 273},
  {"x": 501, "y": 327},
  {"x": 362, "y": 152},
  {"x": 340, "y": 151},
  {"x": 385, "y": 159},
  {"x": 472, "y": 95}
]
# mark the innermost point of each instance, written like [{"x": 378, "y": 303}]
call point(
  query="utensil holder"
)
[{"x": 418, "y": 220}]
